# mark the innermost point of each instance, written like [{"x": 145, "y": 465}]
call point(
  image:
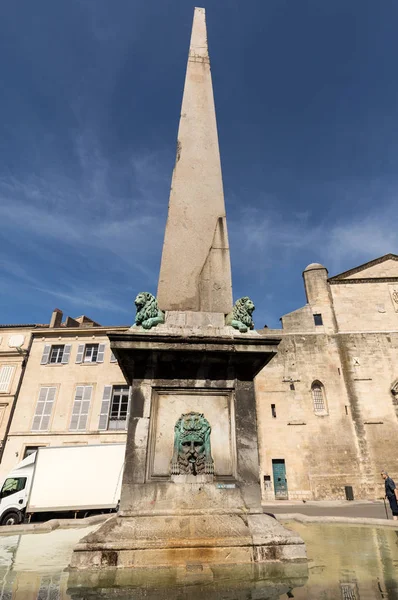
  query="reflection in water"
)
[
  {"x": 64, "y": 586},
  {"x": 349, "y": 562},
  {"x": 262, "y": 582},
  {"x": 346, "y": 562}
]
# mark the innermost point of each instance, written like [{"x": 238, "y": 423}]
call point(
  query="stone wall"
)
[
  {"x": 364, "y": 306},
  {"x": 319, "y": 448},
  {"x": 353, "y": 354}
]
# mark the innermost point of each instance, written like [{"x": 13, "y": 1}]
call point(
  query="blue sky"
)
[{"x": 307, "y": 104}]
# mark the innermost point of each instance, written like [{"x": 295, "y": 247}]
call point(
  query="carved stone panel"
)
[{"x": 168, "y": 409}]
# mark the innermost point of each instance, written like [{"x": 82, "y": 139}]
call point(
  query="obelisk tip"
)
[{"x": 198, "y": 46}]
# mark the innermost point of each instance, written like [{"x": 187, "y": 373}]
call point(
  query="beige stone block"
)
[{"x": 181, "y": 557}]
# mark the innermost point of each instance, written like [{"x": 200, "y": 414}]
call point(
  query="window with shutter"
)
[
  {"x": 113, "y": 357},
  {"x": 41, "y": 420},
  {"x": 56, "y": 354},
  {"x": 90, "y": 353},
  {"x": 81, "y": 407},
  {"x": 46, "y": 354},
  {"x": 119, "y": 407},
  {"x": 115, "y": 408},
  {"x": 6, "y": 372}
]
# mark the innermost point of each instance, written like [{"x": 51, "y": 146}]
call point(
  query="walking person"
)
[{"x": 391, "y": 494}]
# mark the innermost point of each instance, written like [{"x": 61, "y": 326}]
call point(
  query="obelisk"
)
[{"x": 195, "y": 273}]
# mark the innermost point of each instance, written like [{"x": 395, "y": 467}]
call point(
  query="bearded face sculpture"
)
[{"x": 192, "y": 453}]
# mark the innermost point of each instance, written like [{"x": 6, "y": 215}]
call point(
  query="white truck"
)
[{"x": 63, "y": 481}]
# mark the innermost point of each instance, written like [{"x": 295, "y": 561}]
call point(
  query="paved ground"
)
[{"x": 373, "y": 510}]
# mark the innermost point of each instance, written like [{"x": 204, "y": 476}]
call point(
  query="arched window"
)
[{"x": 318, "y": 398}]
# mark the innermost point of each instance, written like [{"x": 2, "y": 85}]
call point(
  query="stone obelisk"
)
[
  {"x": 195, "y": 273},
  {"x": 190, "y": 491}
]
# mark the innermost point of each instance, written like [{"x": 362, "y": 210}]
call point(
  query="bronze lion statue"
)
[
  {"x": 241, "y": 315},
  {"x": 148, "y": 313}
]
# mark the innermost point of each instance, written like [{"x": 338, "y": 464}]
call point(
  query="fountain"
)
[{"x": 190, "y": 492}]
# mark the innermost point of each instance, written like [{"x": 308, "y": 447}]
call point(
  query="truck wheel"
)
[{"x": 11, "y": 518}]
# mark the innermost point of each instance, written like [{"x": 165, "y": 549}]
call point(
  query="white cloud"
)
[
  {"x": 362, "y": 240},
  {"x": 90, "y": 297},
  {"x": 52, "y": 207},
  {"x": 93, "y": 235},
  {"x": 271, "y": 237},
  {"x": 339, "y": 244}
]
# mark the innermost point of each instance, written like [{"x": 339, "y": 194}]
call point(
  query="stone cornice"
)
[
  {"x": 78, "y": 331},
  {"x": 171, "y": 341},
  {"x": 183, "y": 354},
  {"x": 334, "y": 281},
  {"x": 360, "y": 268}
]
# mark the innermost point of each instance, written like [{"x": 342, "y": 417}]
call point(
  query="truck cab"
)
[{"x": 15, "y": 492}]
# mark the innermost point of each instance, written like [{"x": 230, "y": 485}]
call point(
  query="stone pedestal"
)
[{"x": 191, "y": 364}]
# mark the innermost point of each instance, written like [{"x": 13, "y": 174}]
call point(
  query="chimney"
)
[
  {"x": 56, "y": 318},
  {"x": 71, "y": 322}
]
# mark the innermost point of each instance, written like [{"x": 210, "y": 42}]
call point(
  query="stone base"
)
[{"x": 178, "y": 541}]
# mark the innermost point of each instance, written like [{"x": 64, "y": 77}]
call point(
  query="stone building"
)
[
  {"x": 328, "y": 401},
  {"x": 14, "y": 347},
  {"x": 72, "y": 390}
]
